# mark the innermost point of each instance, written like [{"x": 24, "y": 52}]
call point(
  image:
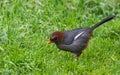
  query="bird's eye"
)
[{"x": 53, "y": 38}]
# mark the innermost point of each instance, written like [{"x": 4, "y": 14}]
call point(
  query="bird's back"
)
[{"x": 71, "y": 35}]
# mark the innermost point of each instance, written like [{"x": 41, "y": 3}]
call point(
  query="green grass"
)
[{"x": 26, "y": 25}]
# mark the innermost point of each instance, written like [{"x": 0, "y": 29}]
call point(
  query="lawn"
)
[{"x": 26, "y": 25}]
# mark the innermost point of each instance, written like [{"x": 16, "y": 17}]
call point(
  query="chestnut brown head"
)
[{"x": 56, "y": 37}]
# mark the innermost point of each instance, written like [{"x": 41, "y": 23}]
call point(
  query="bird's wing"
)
[
  {"x": 78, "y": 35},
  {"x": 78, "y": 44},
  {"x": 70, "y": 36}
]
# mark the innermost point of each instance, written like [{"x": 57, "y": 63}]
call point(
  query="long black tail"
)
[{"x": 103, "y": 21}]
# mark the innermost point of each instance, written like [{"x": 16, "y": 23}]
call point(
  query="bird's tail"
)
[{"x": 103, "y": 21}]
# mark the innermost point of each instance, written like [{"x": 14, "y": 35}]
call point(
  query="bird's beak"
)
[{"x": 49, "y": 42}]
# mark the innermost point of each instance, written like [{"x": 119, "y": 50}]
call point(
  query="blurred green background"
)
[{"x": 26, "y": 25}]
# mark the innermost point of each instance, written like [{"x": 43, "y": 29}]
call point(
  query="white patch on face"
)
[{"x": 78, "y": 35}]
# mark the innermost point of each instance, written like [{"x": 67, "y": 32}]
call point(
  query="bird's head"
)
[{"x": 56, "y": 37}]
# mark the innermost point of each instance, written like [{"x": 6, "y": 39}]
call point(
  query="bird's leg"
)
[{"x": 78, "y": 55}]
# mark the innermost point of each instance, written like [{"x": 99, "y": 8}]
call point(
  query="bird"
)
[{"x": 75, "y": 40}]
